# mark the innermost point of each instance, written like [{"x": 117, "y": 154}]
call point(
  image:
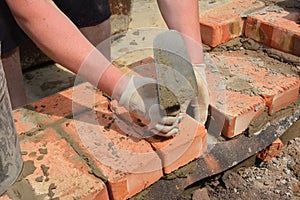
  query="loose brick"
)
[
  {"x": 223, "y": 23},
  {"x": 190, "y": 143},
  {"x": 279, "y": 30},
  {"x": 53, "y": 169},
  {"x": 129, "y": 162},
  {"x": 271, "y": 151}
]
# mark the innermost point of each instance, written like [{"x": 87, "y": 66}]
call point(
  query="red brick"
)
[
  {"x": 232, "y": 117},
  {"x": 144, "y": 68},
  {"x": 55, "y": 162},
  {"x": 239, "y": 111},
  {"x": 189, "y": 144},
  {"x": 28, "y": 120},
  {"x": 50, "y": 109},
  {"x": 231, "y": 111},
  {"x": 276, "y": 29},
  {"x": 129, "y": 163},
  {"x": 177, "y": 151},
  {"x": 277, "y": 89},
  {"x": 271, "y": 151},
  {"x": 224, "y": 22},
  {"x": 65, "y": 103}
]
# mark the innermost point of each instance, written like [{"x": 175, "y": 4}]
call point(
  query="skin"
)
[
  {"x": 47, "y": 26},
  {"x": 183, "y": 16},
  {"x": 42, "y": 21},
  {"x": 97, "y": 34}
]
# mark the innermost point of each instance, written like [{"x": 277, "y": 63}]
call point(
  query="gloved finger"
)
[
  {"x": 169, "y": 120},
  {"x": 165, "y": 128},
  {"x": 171, "y": 132}
]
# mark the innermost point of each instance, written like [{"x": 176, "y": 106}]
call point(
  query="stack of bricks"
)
[{"x": 75, "y": 147}]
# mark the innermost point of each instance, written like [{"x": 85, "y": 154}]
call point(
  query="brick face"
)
[
  {"x": 66, "y": 103},
  {"x": 54, "y": 164},
  {"x": 189, "y": 144},
  {"x": 236, "y": 115},
  {"x": 224, "y": 22},
  {"x": 129, "y": 163},
  {"x": 275, "y": 29},
  {"x": 277, "y": 89},
  {"x": 295, "y": 45}
]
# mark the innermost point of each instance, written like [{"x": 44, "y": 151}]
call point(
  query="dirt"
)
[{"x": 277, "y": 178}]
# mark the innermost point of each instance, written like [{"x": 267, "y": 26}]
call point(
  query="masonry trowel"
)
[{"x": 174, "y": 71}]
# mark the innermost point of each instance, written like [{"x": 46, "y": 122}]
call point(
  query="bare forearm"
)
[
  {"x": 183, "y": 16},
  {"x": 60, "y": 39}
]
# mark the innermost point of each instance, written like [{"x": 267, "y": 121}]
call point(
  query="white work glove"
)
[
  {"x": 140, "y": 98},
  {"x": 198, "y": 106}
]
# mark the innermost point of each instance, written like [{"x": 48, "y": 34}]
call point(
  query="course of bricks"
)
[
  {"x": 276, "y": 27},
  {"x": 61, "y": 137}
]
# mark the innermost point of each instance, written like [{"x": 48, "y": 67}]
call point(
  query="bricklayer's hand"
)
[{"x": 140, "y": 98}]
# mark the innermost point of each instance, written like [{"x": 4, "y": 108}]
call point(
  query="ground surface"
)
[{"x": 278, "y": 178}]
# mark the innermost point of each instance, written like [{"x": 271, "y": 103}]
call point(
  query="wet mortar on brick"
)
[{"x": 22, "y": 189}]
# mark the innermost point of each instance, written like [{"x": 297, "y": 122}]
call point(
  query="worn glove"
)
[
  {"x": 198, "y": 106},
  {"x": 140, "y": 98}
]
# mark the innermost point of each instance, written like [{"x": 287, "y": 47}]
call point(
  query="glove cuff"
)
[
  {"x": 127, "y": 93},
  {"x": 199, "y": 70}
]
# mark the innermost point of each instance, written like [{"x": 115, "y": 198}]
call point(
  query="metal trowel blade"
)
[{"x": 175, "y": 75}]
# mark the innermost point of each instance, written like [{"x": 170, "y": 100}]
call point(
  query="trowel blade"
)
[{"x": 175, "y": 75}]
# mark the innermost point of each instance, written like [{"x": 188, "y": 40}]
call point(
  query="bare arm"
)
[
  {"x": 60, "y": 39},
  {"x": 183, "y": 16}
]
